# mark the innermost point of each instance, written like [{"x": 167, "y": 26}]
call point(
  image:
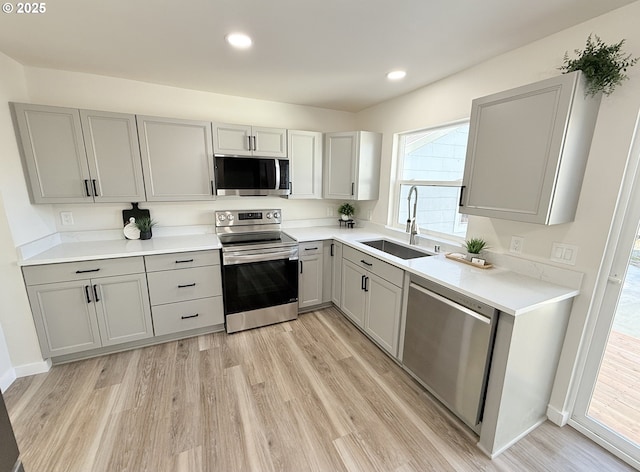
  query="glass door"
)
[{"x": 607, "y": 407}]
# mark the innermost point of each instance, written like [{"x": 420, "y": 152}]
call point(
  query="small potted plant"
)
[
  {"x": 145, "y": 224},
  {"x": 475, "y": 245},
  {"x": 346, "y": 211},
  {"x": 603, "y": 65}
]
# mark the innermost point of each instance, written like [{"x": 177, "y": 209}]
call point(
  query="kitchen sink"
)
[{"x": 398, "y": 250}]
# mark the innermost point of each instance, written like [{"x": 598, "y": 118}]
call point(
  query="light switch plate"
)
[{"x": 564, "y": 253}]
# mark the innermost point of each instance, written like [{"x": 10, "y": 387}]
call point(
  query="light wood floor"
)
[
  {"x": 310, "y": 395},
  {"x": 616, "y": 398}
]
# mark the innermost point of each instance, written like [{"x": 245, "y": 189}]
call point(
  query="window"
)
[{"x": 433, "y": 160}]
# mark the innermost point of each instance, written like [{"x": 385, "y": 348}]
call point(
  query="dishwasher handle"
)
[{"x": 452, "y": 304}]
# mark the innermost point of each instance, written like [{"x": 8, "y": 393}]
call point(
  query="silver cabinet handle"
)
[{"x": 249, "y": 138}]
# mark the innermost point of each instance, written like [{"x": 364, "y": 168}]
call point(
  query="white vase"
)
[{"x": 345, "y": 217}]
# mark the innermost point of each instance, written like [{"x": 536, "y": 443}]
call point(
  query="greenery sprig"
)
[{"x": 603, "y": 65}]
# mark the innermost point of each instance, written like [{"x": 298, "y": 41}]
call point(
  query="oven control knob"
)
[
  {"x": 230, "y": 217},
  {"x": 269, "y": 216},
  {"x": 276, "y": 214},
  {"x": 221, "y": 217}
]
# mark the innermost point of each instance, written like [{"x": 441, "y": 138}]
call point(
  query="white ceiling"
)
[{"x": 324, "y": 53}]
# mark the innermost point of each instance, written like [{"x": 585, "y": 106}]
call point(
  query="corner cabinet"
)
[
  {"x": 246, "y": 140},
  {"x": 527, "y": 151},
  {"x": 177, "y": 159},
  {"x": 372, "y": 297},
  {"x": 352, "y": 165},
  {"x": 79, "y": 306},
  {"x": 305, "y": 160},
  {"x": 79, "y": 156}
]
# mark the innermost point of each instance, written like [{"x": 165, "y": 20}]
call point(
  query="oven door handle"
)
[{"x": 232, "y": 258}]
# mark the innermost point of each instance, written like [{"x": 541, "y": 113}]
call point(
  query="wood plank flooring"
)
[
  {"x": 616, "y": 398},
  {"x": 313, "y": 394}
]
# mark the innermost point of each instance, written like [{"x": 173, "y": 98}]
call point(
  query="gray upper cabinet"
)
[
  {"x": 75, "y": 156},
  {"x": 305, "y": 159},
  {"x": 352, "y": 165},
  {"x": 113, "y": 154},
  {"x": 246, "y": 140},
  {"x": 527, "y": 151},
  {"x": 53, "y": 152},
  {"x": 177, "y": 159}
]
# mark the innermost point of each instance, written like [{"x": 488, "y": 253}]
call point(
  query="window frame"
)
[{"x": 399, "y": 181}]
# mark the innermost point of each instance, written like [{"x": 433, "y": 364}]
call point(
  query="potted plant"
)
[
  {"x": 346, "y": 210},
  {"x": 145, "y": 224},
  {"x": 475, "y": 245},
  {"x": 603, "y": 66}
]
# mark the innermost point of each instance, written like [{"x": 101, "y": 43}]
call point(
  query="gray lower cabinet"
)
[
  {"x": 74, "y": 314},
  {"x": 336, "y": 272},
  {"x": 79, "y": 156},
  {"x": 185, "y": 290},
  {"x": 177, "y": 158},
  {"x": 310, "y": 275},
  {"x": 372, "y": 297}
]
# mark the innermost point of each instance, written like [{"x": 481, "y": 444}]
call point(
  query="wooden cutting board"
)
[{"x": 134, "y": 212}]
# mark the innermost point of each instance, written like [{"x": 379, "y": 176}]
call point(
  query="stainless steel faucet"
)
[{"x": 412, "y": 226}]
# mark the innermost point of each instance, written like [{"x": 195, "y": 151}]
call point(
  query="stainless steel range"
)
[{"x": 259, "y": 269}]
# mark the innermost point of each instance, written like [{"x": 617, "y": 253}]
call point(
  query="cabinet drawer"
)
[
  {"x": 382, "y": 269},
  {"x": 183, "y": 316},
  {"x": 69, "y": 271},
  {"x": 181, "y": 260},
  {"x": 310, "y": 248},
  {"x": 187, "y": 284}
]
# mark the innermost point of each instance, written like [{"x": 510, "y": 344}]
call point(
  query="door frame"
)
[{"x": 623, "y": 232}]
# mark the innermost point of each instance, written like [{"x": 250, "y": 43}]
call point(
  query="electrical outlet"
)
[
  {"x": 564, "y": 253},
  {"x": 66, "y": 217},
  {"x": 330, "y": 211},
  {"x": 516, "y": 244}
]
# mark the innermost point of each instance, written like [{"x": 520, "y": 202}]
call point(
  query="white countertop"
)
[
  {"x": 505, "y": 290},
  {"x": 113, "y": 248}
]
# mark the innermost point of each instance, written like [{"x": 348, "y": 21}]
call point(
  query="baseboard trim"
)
[
  {"x": 557, "y": 417},
  {"x": 26, "y": 370},
  {"x": 7, "y": 379}
]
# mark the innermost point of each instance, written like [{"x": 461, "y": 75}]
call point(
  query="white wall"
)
[
  {"x": 20, "y": 222},
  {"x": 80, "y": 90},
  {"x": 450, "y": 99}
]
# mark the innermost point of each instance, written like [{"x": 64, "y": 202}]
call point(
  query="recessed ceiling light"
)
[
  {"x": 396, "y": 75},
  {"x": 239, "y": 40}
]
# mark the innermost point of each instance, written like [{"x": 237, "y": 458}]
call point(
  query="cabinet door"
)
[
  {"x": 113, "y": 153},
  {"x": 65, "y": 317},
  {"x": 269, "y": 142},
  {"x": 340, "y": 154},
  {"x": 122, "y": 306},
  {"x": 336, "y": 279},
  {"x": 353, "y": 294},
  {"x": 305, "y": 158},
  {"x": 516, "y": 139},
  {"x": 52, "y": 147},
  {"x": 382, "y": 322},
  {"x": 176, "y": 158},
  {"x": 327, "y": 271},
  {"x": 233, "y": 140},
  {"x": 310, "y": 280}
]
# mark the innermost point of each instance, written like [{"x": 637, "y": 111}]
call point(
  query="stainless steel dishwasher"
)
[{"x": 447, "y": 346}]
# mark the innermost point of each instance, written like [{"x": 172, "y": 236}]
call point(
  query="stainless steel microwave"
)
[{"x": 251, "y": 176}]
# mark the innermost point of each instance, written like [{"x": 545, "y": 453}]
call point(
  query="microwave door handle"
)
[{"x": 277, "y": 164}]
